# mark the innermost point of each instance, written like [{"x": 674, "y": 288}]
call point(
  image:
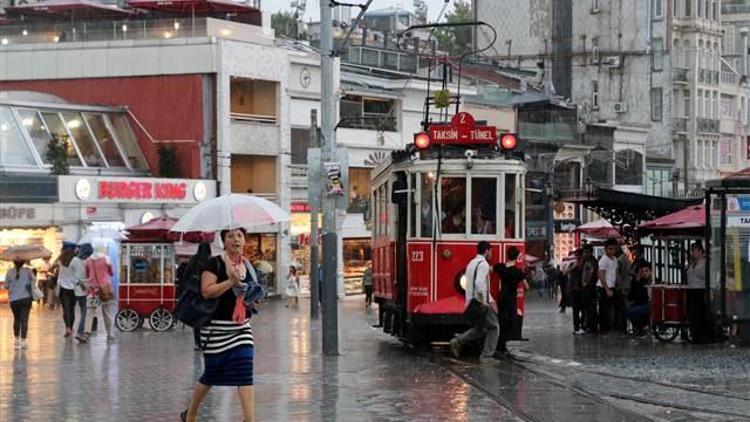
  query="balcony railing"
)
[
  {"x": 708, "y": 125},
  {"x": 728, "y": 78},
  {"x": 680, "y": 75},
  {"x": 679, "y": 124}
]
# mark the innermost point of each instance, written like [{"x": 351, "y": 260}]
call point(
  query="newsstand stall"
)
[
  {"x": 728, "y": 239},
  {"x": 147, "y": 268}
]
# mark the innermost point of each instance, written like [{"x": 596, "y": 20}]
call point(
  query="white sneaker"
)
[
  {"x": 17, "y": 343},
  {"x": 24, "y": 344}
]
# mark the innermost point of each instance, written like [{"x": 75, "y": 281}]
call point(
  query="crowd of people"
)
[{"x": 79, "y": 278}]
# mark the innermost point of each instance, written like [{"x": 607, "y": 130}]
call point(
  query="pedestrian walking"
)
[
  {"x": 19, "y": 280},
  {"x": 81, "y": 288},
  {"x": 563, "y": 285},
  {"x": 510, "y": 278},
  {"x": 367, "y": 284},
  {"x": 607, "y": 276},
  {"x": 71, "y": 276},
  {"x": 292, "y": 287},
  {"x": 99, "y": 294},
  {"x": 191, "y": 273},
  {"x": 478, "y": 287},
  {"x": 228, "y": 337},
  {"x": 42, "y": 276},
  {"x": 523, "y": 287}
]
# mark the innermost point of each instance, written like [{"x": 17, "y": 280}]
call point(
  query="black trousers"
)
[
  {"x": 507, "y": 314},
  {"x": 579, "y": 309},
  {"x": 68, "y": 302},
  {"x": 606, "y": 310},
  {"x": 590, "y": 314},
  {"x": 21, "y": 309},
  {"x": 620, "y": 311},
  {"x": 698, "y": 317}
]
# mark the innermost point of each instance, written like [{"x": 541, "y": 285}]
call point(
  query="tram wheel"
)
[
  {"x": 160, "y": 319},
  {"x": 127, "y": 320},
  {"x": 665, "y": 332}
]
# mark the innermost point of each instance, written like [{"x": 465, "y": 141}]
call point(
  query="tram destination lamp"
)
[{"x": 422, "y": 140}]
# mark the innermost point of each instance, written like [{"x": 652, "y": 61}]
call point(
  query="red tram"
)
[{"x": 430, "y": 208}]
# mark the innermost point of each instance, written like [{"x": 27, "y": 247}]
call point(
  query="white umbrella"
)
[
  {"x": 106, "y": 233},
  {"x": 25, "y": 253},
  {"x": 231, "y": 211}
]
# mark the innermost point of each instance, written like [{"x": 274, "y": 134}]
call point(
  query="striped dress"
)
[{"x": 228, "y": 347}]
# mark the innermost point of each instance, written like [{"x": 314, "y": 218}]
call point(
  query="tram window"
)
[
  {"x": 483, "y": 205},
  {"x": 427, "y": 187},
  {"x": 413, "y": 205},
  {"x": 453, "y": 205},
  {"x": 510, "y": 206}
]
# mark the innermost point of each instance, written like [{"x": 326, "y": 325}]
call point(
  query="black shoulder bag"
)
[
  {"x": 476, "y": 311},
  {"x": 192, "y": 308}
]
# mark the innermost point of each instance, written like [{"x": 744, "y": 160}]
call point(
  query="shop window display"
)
[
  {"x": 356, "y": 253},
  {"x": 261, "y": 249}
]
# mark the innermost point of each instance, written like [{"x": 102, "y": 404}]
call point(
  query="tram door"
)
[{"x": 399, "y": 196}]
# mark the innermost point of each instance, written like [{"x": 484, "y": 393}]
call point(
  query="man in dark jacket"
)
[
  {"x": 638, "y": 300},
  {"x": 510, "y": 277}
]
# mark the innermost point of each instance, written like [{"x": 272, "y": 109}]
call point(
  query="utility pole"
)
[
  {"x": 314, "y": 209},
  {"x": 328, "y": 155}
]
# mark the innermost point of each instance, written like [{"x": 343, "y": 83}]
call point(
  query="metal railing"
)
[
  {"x": 728, "y": 78},
  {"x": 708, "y": 125},
  {"x": 679, "y": 124},
  {"x": 680, "y": 75},
  {"x": 256, "y": 118}
]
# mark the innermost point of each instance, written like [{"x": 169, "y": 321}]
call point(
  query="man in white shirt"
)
[
  {"x": 607, "y": 281},
  {"x": 478, "y": 287}
]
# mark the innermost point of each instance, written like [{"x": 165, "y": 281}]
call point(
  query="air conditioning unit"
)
[
  {"x": 621, "y": 107},
  {"x": 611, "y": 61}
]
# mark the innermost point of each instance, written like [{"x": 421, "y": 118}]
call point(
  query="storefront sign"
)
[
  {"x": 738, "y": 221},
  {"x": 566, "y": 226},
  {"x": 17, "y": 213},
  {"x": 300, "y": 207},
  {"x": 140, "y": 190},
  {"x": 23, "y": 215}
]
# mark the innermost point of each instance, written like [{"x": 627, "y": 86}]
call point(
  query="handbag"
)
[
  {"x": 104, "y": 292},
  {"x": 476, "y": 311}
]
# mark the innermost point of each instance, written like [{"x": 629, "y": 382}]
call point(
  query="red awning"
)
[
  {"x": 689, "y": 218},
  {"x": 82, "y": 9},
  {"x": 158, "y": 230},
  {"x": 598, "y": 228},
  {"x": 193, "y": 6}
]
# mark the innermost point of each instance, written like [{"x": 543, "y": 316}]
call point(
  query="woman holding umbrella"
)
[
  {"x": 227, "y": 339},
  {"x": 19, "y": 280}
]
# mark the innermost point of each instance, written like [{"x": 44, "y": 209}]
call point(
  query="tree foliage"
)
[
  {"x": 456, "y": 41},
  {"x": 57, "y": 154},
  {"x": 285, "y": 24}
]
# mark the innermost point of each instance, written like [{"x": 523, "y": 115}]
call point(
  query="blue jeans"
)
[
  {"x": 81, "y": 301},
  {"x": 638, "y": 315}
]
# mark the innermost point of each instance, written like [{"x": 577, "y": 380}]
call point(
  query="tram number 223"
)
[{"x": 417, "y": 256}]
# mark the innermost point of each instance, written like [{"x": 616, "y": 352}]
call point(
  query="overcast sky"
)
[{"x": 313, "y": 6}]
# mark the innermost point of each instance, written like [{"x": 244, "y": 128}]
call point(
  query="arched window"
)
[{"x": 629, "y": 167}]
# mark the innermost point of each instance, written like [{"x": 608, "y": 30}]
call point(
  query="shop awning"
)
[
  {"x": 688, "y": 222},
  {"x": 193, "y": 6},
  {"x": 627, "y": 210},
  {"x": 740, "y": 179},
  {"x": 600, "y": 228},
  {"x": 158, "y": 230},
  {"x": 68, "y": 9}
]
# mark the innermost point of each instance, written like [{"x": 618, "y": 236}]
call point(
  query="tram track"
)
[
  {"x": 521, "y": 359},
  {"x": 478, "y": 378}
]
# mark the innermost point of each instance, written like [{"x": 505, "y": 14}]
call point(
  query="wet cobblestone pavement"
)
[
  {"x": 149, "y": 376},
  {"x": 556, "y": 376}
]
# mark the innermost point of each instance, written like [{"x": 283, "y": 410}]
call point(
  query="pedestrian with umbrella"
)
[
  {"x": 22, "y": 288},
  {"x": 227, "y": 339}
]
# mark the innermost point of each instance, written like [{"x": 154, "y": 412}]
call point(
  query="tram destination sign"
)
[{"x": 463, "y": 130}]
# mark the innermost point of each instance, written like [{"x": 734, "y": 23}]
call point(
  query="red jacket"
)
[{"x": 98, "y": 270}]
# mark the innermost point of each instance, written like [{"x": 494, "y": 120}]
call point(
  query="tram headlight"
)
[
  {"x": 460, "y": 282},
  {"x": 508, "y": 142}
]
